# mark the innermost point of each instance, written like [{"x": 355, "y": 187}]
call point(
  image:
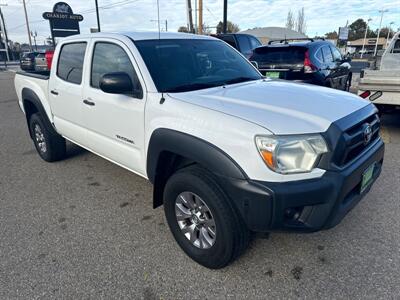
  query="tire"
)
[
  {"x": 50, "y": 146},
  {"x": 231, "y": 236}
]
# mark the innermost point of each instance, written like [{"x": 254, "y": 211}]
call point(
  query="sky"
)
[{"x": 129, "y": 15}]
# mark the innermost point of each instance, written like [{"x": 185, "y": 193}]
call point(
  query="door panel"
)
[
  {"x": 114, "y": 122},
  {"x": 65, "y": 92}
]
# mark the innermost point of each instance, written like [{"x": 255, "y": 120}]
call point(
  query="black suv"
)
[
  {"x": 310, "y": 61},
  {"x": 244, "y": 43}
]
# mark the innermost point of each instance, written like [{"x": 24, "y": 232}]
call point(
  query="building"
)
[
  {"x": 369, "y": 44},
  {"x": 266, "y": 34}
]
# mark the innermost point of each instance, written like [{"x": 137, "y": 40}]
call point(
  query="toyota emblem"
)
[{"x": 367, "y": 134}]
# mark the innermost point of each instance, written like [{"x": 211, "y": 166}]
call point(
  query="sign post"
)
[{"x": 63, "y": 22}]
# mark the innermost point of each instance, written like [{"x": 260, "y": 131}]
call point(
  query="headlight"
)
[{"x": 291, "y": 154}]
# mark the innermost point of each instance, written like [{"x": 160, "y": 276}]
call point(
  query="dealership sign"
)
[
  {"x": 63, "y": 22},
  {"x": 343, "y": 33}
]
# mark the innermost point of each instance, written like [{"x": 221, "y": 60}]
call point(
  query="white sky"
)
[{"x": 322, "y": 15}]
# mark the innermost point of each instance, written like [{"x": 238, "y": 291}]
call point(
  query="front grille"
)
[{"x": 352, "y": 141}]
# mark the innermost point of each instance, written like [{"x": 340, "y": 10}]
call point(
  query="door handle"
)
[
  {"x": 90, "y": 103},
  {"x": 54, "y": 92}
]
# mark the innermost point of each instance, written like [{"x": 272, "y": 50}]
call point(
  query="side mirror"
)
[
  {"x": 254, "y": 63},
  {"x": 116, "y": 83}
]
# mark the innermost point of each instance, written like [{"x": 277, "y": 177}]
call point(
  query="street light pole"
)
[
  {"x": 365, "y": 36},
  {"x": 389, "y": 30},
  {"x": 97, "y": 15},
  {"x": 379, "y": 30},
  {"x": 27, "y": 26}
]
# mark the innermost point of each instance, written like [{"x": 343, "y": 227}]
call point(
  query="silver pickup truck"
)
[{"x": 382, "y": 86}]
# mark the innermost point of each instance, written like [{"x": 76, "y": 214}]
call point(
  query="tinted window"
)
[
  {"x": 336, "y": 54},
  {"x": 230, "y": 40},
  {"x": 279, "y": 55},
  {"x": 319, "y": 55},
  {"x": 108, "y": 58},
  {"x": 254, "y": 43},
  {"x": 244, "y": 44},
  {"x": 189, "y": 64},
  {"x": 70, "y": 62},
  {"x": 327, "y": 54}
]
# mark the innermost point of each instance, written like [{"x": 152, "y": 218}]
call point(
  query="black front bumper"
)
[{"x": 306, "y": 205}]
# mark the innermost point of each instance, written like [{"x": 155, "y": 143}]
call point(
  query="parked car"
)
[
  {"x": 40, "y": 62},
  {"x": 309, "y": 61},
  {"x": 244, "y": 43},
  {"x": 382, "y": 86},
  {"x": 228, "y": 152},
  {"x": 27, "y": 61}
]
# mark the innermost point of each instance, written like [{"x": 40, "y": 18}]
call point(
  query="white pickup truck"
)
[
  {"x": 228, "y": 151},
  {"x": 382, "y": 86}
]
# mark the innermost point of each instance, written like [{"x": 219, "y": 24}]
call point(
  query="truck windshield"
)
[{"x": 180, "y": 65}]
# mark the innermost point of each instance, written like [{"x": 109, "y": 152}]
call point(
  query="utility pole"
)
[
  {"x": 97, "y": 15},
  {"x": 365, "y": 36},
  {"x": 27, "y": 26},
  {"x": 200, "y": 16},
  {"x": 166, "y": 25},
  {"x": 3, "y": 26},
  {"x": 225, "y": 20},
  {"x": 379, "y": 30},
  {"x": 195, "y": 17},
  {"x": 190, "y": 16}
]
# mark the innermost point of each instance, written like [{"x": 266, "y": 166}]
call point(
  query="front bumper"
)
[{"x": 306, "y": 205}]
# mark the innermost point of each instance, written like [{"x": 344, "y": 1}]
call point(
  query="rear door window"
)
[
  {"x": 70, "y": 62},
  {"x": 244, "y": 44},
  {"x": 328, "y": 58}
]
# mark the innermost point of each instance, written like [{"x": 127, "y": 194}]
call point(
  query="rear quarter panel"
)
[{"x": 38, "y": 86}]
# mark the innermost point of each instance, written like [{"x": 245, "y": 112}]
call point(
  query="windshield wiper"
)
[
  {"x": 191, "y": 87},
  {"x": 240, "y": 79}
]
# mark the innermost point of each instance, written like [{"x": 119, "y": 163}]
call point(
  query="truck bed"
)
[{"x": 38, "y": 75}]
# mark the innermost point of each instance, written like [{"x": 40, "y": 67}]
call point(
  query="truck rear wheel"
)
[
  {"x": 51, "y": 147},
  {"x": 201, "y": 219}
]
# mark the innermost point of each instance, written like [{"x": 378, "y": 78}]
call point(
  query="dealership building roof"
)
[{"x": 265, "y": 34}]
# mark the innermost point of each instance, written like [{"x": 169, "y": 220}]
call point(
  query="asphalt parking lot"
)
[{"x": 85, "y": 228}]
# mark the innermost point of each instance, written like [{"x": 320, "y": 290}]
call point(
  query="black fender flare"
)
[
  {"x": 193, "y": 148},
  {"x": 30, "y": 96}
]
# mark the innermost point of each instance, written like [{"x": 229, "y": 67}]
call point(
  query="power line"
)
[{"x": 88, "y": 11}]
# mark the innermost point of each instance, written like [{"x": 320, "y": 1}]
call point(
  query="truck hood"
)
[{"x": 281, "y": 107}]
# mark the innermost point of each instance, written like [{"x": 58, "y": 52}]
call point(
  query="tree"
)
[
  {"x": 230, "y": 27},
  {"x": 301, "y": 25},
  {"x": 384, "y": 32},
  {"x": 290, "y": 20},
  {"x": 357, "y": 29},
  {"x": 331, "y": 35},
  {"x": 183, "y": 29}
]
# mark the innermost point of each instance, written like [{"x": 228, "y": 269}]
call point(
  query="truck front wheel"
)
[
  {"x": 201, "y": 219},
  {"x": 51, "y": 147}
]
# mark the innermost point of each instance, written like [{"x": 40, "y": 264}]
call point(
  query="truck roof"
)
[{"x": 141, "y": 35}]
